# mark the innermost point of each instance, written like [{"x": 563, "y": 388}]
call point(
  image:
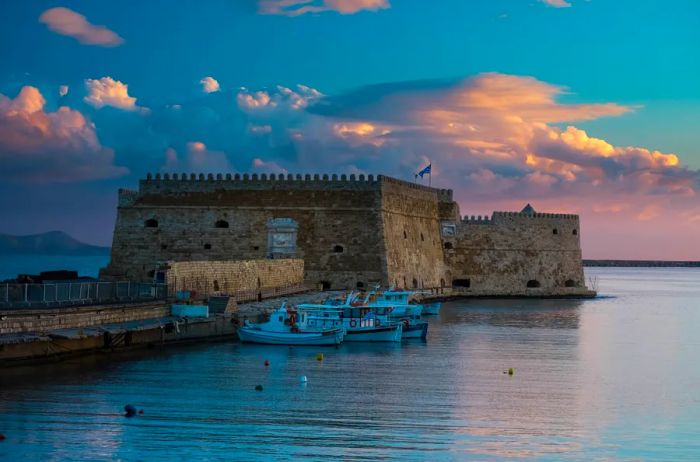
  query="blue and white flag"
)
[{"x": 424, "y": 171}]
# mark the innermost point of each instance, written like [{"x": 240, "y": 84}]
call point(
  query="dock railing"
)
[{"x": 75, "y": 293}]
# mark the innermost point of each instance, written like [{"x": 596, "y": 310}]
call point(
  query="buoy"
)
[
  {"x": 129, "y": 410},
  {"x": 258, "y": 388},
  {"x": 511, "y": 371},
  {"x": 141, "y": 411},
  {"x": 267, "y": 363},
  {"x": 2, "y": 437},
  {"x": 319, "y": 356},
  {"x": 303, "y": 379}
]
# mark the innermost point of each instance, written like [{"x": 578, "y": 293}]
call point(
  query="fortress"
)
[{"x": 350, "y": 231}]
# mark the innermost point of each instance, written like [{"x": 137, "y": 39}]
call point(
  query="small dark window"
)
[
  {"x": 151, "y": 223},
  {"x": 207, "y": 246},
  {"x": 221, "y": 224},
  {"x": 442, "y": 283},
  {"x": 555, "y": 231},
  {"x": 338, "y": 249},
  {"x": 151, "y": 273},
  {"x": 570, "y": 283},
  {"x": 163, "y": 246},
  {"x": 467, "y": 283},
  {"x": 360, "y": 285},
  {"x": 256, "y": 247},
  {"x": 415, "y": 283},
  {"x": 405, "y": 236},
  {"x": 574, "y": 232},
  {"x": 448, "y": 246},
  {"x": 533, "y": 284},
  {"x": 421, "y": 237},
  {"x": 325, "y": 285},
  {"x": 216, "y": 285}
]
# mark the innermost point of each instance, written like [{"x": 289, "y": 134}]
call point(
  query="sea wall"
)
[
  {"x": 207, "y": 277},
  {"x": 43, "y": 320}
]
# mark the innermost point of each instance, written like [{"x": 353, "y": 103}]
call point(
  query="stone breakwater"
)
[{"x": 41, "y": 335}]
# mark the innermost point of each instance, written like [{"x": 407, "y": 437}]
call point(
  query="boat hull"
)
[
  {"x": 432, "y": 308},
  {"x": 375, "y": 334},
  {"x": 249, "y": 335},
  {"x": 418, "y": 330}
]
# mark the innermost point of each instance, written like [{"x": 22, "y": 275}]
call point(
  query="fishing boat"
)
[
  {"x": 361, "y": 323},
  {"x": 282, "y": 329},
  {"x": 432, "y": 308},
  {"x": 398, "y": 300}
]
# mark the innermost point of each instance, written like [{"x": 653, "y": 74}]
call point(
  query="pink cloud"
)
[
  {"x": 196, "y": 159},
  {"x": 210, "y": 85},
  {"x": 41, "y": 146},
  {"x": 557, "y": 3},
  {"x": 109, "y": 92},
  {"x": 67, "y": 22},
  {"x": 299, "y": 7}
]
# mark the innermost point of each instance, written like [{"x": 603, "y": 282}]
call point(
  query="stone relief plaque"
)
[
  {"x": 281, "y": 237},
  {"x": 449, "y": 229}
]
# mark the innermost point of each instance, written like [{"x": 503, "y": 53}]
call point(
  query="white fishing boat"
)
[
  {"x": 361, "y": 323},
  {"x": 282, "y": 329}
]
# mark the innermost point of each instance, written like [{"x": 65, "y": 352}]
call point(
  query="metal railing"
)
[{"x": 60, "y": 294}]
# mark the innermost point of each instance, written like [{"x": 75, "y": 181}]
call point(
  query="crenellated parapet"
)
[
  {"x": 536, "y": 215},
  {"x": 175, "y": 183},
  {"x": 477, "y": 220}
]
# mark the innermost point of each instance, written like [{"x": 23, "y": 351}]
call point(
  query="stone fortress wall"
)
[
  {"x": 350, "y": 231},
  {"x": 514, "y": 254}
]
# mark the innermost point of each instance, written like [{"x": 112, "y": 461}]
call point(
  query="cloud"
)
[
  {"x": 281, "y": 97},
  {"x": 260, "y": 165},
  {"x": 299, "y": 7},
  {"x": 557, "y": 3},
  {"x": 41, "y": 146},
  {"x": 210, "y": 85},
  {"x": 63, "y": 90},
  {"x": 67, "y": 22},
  {"x": 109, "y": 92},
  {"x": 197, "y": 159}
]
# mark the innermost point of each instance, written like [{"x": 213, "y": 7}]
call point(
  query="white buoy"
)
[{"x": 303, "y": 379}]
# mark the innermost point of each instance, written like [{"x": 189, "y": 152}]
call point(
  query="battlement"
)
[
  {"x": 536, "y": 215},
  {"x": 496, "y": 216},
  {"x": 183, "y": 183},
  {"x": 477, "y": 220}
]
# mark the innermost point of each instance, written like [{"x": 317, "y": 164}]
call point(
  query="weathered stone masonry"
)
[{"x": 349, "y": 232}]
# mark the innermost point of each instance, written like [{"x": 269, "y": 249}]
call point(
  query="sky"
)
[{"x": 575, "y": 106}]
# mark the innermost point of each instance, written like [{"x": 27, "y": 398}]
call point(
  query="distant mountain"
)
[{"x": 51, "y": 243}]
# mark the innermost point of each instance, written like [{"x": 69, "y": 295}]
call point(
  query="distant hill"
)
[{"x": 51, "y": 243}]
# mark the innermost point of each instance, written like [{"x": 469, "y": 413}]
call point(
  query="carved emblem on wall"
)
[
  {"x": 282, "y": 237},
  {"x": 449, "y": 229}
]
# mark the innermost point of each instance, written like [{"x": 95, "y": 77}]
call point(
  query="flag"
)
[{"x": 424, "y": 171}]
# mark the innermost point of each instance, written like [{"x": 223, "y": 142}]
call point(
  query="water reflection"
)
[
  {"x": 611, "y": 378},
  {"x": 536, "y": 313}
]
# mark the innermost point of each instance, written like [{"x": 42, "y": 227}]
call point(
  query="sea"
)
[
  {"x": 612, "y": 378},
  {"x": 12, "y": 265}
]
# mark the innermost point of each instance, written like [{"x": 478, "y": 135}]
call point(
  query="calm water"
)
[
  {"x": 12, "y": 265},
  {"x": 616, "y": 378}
]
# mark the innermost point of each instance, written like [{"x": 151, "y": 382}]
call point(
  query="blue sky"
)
[{"x": 639, "y": 58}]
